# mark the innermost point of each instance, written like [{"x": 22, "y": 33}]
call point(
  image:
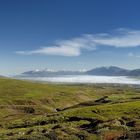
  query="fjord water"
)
[{"x": 86, "y": 79}]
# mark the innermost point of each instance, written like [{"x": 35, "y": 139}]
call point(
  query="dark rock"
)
[
  {"x": 29, "y": 110},
  {"x": 42, "y": 123},
  {"x": 29, "y": 132},
  {"x": 10, "y": 134},
  {"x": 44, "y": 131},
  {"x": 91, "y": 127},
  {"x": 81, "y": 137},
  {"x": 71, "y": 119},
  {"x": 131, "y": 123},
  {"x": 58, "y": 109},
  {"x": 102, "y": 100},
  {"x": 52, "y": 135},
  {"x": 57, "y": 126}
]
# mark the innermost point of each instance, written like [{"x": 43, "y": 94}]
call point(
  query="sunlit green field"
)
[{"x": 33, "y": 111}]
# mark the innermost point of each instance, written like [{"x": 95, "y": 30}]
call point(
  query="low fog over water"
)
[{"x": 86, "y": 79}]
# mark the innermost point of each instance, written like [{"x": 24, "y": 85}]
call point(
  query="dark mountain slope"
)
[
  {"x": 101, "y": 71},
  {"x": 109, "y": 71}
]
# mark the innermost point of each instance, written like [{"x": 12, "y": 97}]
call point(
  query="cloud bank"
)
[
  {"x": 87, "y": 79},
  {"x": 121, "y": 38}
]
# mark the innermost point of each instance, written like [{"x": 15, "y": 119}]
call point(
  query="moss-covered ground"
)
[{"x": 39, "y": 111}]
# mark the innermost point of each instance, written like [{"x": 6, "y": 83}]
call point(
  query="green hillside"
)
[{"x": 33, "y": 111}]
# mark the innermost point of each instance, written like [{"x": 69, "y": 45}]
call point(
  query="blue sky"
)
[{"x": 68, "y": 34}]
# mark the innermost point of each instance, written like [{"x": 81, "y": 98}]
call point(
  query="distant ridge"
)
[
  {"x": 48, "y": 72},
  {"x": 109, "y": 71},
  {"x": 101, "y": 71},
  {"x": 2, "y": 76}
]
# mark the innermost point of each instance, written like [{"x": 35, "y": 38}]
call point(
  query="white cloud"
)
[
  {"x": 121, "y": 38},
  {"x": 71, "y": 47},
  {"x": 65, "y": 51}
]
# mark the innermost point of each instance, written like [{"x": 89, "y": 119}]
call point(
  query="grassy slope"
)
[{"x": 28, "y": 110}]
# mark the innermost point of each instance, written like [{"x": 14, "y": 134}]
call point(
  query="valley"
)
[{"x": 32, "y": 111}]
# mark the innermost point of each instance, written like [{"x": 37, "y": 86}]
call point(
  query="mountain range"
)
[
  {"x": 101, "y": 71},
  {"x": 48, "y": 72},
  {"x": 109, "y": 71},
  {"x": 113, "y": 71}
]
